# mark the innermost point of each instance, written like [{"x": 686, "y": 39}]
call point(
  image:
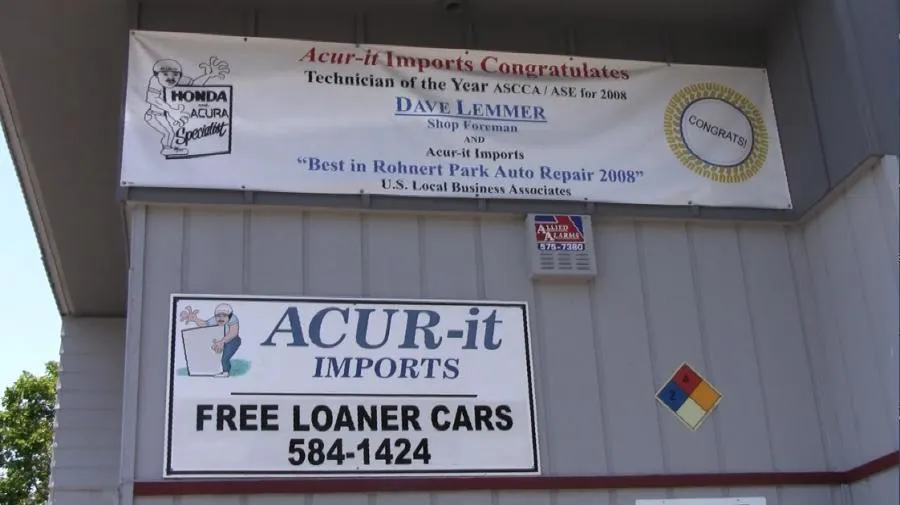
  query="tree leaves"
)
[{"x": 26, "y": 437}]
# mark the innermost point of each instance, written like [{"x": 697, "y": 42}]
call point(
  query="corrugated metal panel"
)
[
  {"x": 85, "y": 467},
  {"x": 782, "y": 496},
  {"x": 785, "y": 322},
  {"x": 84, "y": 498},
  {"x": 883, "y": 488},
  {"x": 849, "y": 257},
  {"x": 721, "y": 297}
]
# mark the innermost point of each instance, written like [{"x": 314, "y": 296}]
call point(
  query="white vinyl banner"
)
[
  {"x": 237, "y": 113},
  {"x": 703, "y": 501},
  {"x": 262, "y": 386}
]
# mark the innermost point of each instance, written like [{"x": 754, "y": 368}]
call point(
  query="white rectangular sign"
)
[
  {"x": 238, "y": 113},
  {"x": 262, "y": 386},
  {"x": 704, "y": 501}
]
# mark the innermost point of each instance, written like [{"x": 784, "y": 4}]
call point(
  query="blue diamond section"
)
[{"x": 672, "y": 395}]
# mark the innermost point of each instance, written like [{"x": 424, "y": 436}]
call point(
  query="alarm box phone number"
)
[
  {"x": 367, "y": 452},
  {"x": 561, "y": 246}
]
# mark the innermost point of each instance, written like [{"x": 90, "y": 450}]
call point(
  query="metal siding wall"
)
[
  {"x": 766, "y": 313},
  {"x": 843, "y": 131},
  {"x": 884, "y": 488},
  {"x": 720, "y": 297},
  {"x": 85, "y": 466},
  {"x": 833, "y": 72},
  {"x": 783, "y": 321},
  {"x": 784, "y": 496},
  {"x": 851, "y": 276},
  {"x": 795, "y": 112},
  {"x": 871, "y": 23},
  {"x": 431, "y": 27}
]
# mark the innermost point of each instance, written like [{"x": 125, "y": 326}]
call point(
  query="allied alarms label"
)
[{"x": 554, "y": 232}]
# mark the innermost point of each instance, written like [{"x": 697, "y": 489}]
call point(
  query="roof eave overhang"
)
[{"x": 31, "y": 190}]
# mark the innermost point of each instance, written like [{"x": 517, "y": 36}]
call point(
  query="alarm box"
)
[{"x": 561, "y": 247}]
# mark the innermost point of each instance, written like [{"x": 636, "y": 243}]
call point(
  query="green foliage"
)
[{"x": 26, "y": 437}]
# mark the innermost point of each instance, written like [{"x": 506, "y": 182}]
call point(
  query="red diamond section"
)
[{"x": 687, "y": 379}]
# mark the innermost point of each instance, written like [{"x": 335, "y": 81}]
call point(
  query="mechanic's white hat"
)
[{"x": 166, "y": 66}]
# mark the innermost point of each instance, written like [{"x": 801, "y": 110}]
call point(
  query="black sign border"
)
[{"x": 169, "y": 473}]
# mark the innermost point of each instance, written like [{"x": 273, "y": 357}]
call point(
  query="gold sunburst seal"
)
[{"x": 716, "y": 132}]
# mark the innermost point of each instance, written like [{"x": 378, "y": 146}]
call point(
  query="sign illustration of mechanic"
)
[
  {"x": 227, "y": 345},
  {"x": 192, "y": 117}
]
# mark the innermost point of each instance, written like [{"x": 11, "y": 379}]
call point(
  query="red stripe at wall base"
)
[{"x": 385, "y": 485}]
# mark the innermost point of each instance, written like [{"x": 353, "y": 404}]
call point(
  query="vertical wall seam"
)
[
  {"x": 648, "y": 325},
  {"x": 888, "y": 210},
  {"x": 667, "y": 41},
  {"x": 830, "y": 377},
  {"x": 304, "y": 253},
  {"x": 703, "y": 331},
  {"x": 599, "y": 353},
  {"x": 246, "y": 263},
  {"x": 846, "y": 493},
  {"x": 481, "y": 285},
  {"x": 364, "y": 248},
  {"x": 571, "y": 40},
  {"x": 891, "y": 165},
  {"x": 360, "y": 28},
  {"x": 137, "y": 14},
  {"x": 842, "y": 17},
  {"x": 553, "y": 497},
  {"x": 597, "y": 341},
  {"x": 132, "y": 356},
  {"x": 248, "y": 20},
  {"x": 126, "y": 233},
  {"x": 872, "y": 332},
  {"x": 185, "y": 246},
  {"x": 54, "y": 438},
  {"x": 843, "y": 359},
  {"x": 842, "y": 362},
  {"x": 805, "y": 338},
  {"x": 598, "y": 366},
  {"x": 423, "y": 272},
  {"x": 795, "y": 17},
  {"x": 541, "y": 386},
  {"x": 537, "y": 358},
  {"x": 468, "y": 33},
  {"x": 754, "y": 338}
]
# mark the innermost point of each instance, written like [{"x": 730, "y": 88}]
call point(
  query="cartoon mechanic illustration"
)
[
  {"x": 163, "y": 117},
  {"x": 227, "y": 345}
]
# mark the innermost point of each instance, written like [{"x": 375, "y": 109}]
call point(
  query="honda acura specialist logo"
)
[{"x": 191, "y": 116}]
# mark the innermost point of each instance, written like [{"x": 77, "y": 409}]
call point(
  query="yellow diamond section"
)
[
  {"x": 705, "y": 396},
  {"x": 672, "y": 127}
]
